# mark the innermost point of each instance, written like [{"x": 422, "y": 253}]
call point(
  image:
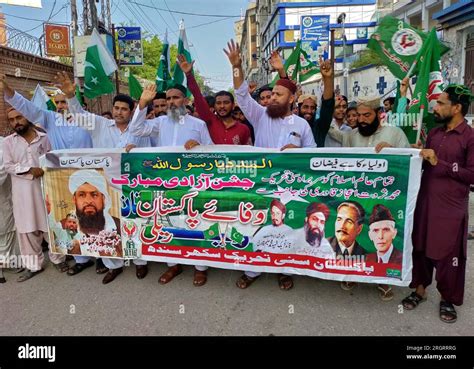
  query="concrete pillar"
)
[{"x": 425, "y": 19}]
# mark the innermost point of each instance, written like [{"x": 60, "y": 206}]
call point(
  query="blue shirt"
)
[{"x": 61, "y": 133}]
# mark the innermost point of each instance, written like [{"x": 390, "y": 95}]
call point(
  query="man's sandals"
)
[
  {"x": 285, "y": 282},
  {"x": 385, "y": 292},
  {"x": 412, "y": 301},
  {"x": 170, "y": 274},
  {"x": 245, "y": 281},
  {"x": 200, "y": 278},
  {"x": 62, "y": 267},
  {"x": 28, "y": 275},
  {"x": 447, "y": 313}
]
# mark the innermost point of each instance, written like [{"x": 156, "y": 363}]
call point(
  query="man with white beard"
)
[{"x": 177, "y": 128}]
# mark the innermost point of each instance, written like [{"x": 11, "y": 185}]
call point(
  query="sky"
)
[{"x": 207, "y": 40}]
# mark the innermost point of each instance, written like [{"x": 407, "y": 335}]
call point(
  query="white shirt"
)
[
  {"x": 106, "y": 134},
  {"x": 385, "y": 258},
  {"x": 273, "y": 133},
  {"x": 329, "y": 141},
  {"x": 344, "y": 248},
  {"x": 392, "y": 135},
  {"x": 168, "y": 132}
]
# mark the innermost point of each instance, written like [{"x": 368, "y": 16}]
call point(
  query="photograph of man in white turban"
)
[{"x": 98, "y": 232}]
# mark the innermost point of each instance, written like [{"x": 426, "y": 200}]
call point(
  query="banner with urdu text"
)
[{"x": 341, "y": 214}]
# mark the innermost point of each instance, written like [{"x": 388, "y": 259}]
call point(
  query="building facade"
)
[{"x": 278, "y": 26}]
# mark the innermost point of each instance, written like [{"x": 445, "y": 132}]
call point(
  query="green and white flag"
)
[
  {"x": 298, "y": 66},
  {"x": 429, "y": 86},
  {"x": 134, "y": 87},
  {"x": 398, "y": 44},
  {"x": 183, "y": 48},
  {"x": 42, "y": 100},
  {"x": 98, "y": 66},
  {"x": 163, "y": 75}
]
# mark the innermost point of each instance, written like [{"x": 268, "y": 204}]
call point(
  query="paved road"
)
[{"x": 57, "y": 304}]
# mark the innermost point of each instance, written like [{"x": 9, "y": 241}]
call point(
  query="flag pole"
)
[
  {"x": 117, "y": 82},
  {"x": 419, "y": 124}
]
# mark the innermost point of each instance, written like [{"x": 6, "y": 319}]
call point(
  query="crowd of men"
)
[{"x": 264, "y": 117}]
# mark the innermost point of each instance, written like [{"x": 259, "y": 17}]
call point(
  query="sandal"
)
[
  {"x": 285, "y": 282},
  {"x": 412, "y": 301},
  {"x": 29, "y": 274},
  {"x": 385, "y": 292},
  {"x": 200, "y": 278},
  {"x": 170, "y": 274},
  {"x": 62, "y": 267},
  {"x": 447, "y": 313},
  {"x": 348, "y": 286},
  {"x": 100, "y": 268},
  {"x": 245, "y": 281},
  {"x": 79, "y": 267}
]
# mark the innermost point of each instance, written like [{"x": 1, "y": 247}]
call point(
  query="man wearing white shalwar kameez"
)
[
  {"x": 21, "y": 153},
  {"x": 9, "y": 248},
  {"x": 177, "y": 128}
]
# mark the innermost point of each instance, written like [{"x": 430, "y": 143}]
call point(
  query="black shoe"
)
[
  {"x": 79, "y": 267},
  {"x": 111, "y": 275}
]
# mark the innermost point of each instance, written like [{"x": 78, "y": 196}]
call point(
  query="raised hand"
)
[
  {"x": 185, "y": 66},
  {"x": 252, "y": 87},
  {"x": 147, "y": 96},
  {"x": 64, "y": 83},
  {"x": 275, "y": 61},
  {"x": 326, "y": 68},
  {"x": 6, "y": 88},
  {"x": 233, "y": 53}
]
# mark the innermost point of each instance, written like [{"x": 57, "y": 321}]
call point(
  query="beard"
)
[
  {"x": 307, "y": 117},
  {"x": 161, "y": 113},
  {"x": 21, "y": 130},
  {"x": 175, "y": 113},
  {"x": 367, "y": 130},
  {"x": 71, "y": 232},
  {"x": 313, "y": 236},
  {"x": 91, "y": 223},
  {"x": 442, "y": 120},
  {"x": 277, "y": 110}
]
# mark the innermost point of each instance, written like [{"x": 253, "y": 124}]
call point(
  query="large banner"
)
[{"x": 341, "y": 214}]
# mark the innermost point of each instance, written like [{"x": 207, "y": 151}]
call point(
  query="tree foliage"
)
[
  {"x": 152, "y": 49},
  {"x": 367, "y": 57}
]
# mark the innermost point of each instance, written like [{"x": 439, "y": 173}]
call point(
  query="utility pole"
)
[
  {"x": 85, "y": 17},
  {"x": 93, "y": 12},
  {"x": 74, "y": 17},
  {"x": 117, "y": 81}
]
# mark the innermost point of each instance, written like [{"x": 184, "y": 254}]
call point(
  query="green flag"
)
[
  {"x": 163, "y": 75},
  {"x": 99, "y": 64},
  {"x": 398, "y": 44},
  {"x": 397, "y": 98},
  {"x": 134, "y": 87},
  {"x": 79, "y": 95},
  {"x": 298, "y": 66},
  {"x": 212, "y": 232},
  {"x": 236, "y": 236},
  {"x": 428, "y": 87},
  {"x": 183, "y": 48}
]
